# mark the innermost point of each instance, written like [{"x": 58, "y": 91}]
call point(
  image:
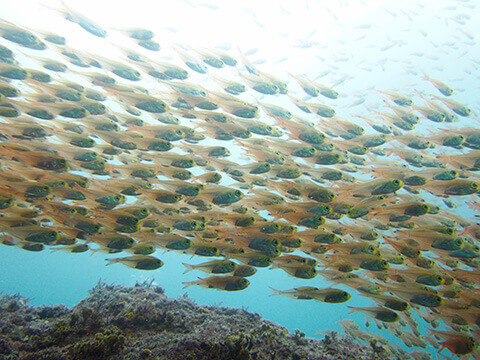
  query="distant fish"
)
[{"x": 84, "y": 22}]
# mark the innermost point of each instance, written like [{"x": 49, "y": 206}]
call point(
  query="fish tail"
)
[
  {"x": 97, "y": 250},
  {"x": 275, "y": 266},
  {"x": 109, "y": 261},
  {"x": 189, "y": 268},
  {"x": 353, "y": 309},
  {"x": 276, "y": 292},
  {"x": 190, "y": 283},
  {"x": 62, "y": 12}
]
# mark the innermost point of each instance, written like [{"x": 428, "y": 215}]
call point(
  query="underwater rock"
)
[{"x": 140, "y": 322}]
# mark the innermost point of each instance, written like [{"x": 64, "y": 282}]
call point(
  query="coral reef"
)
[{"x": 141, "y": 323}]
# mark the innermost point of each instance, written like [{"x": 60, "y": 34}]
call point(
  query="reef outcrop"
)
[{"x": 141, "y": 323}]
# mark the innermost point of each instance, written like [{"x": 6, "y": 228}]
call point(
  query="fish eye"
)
[
  {"x": 45, "y": 188},
  {"x": 238, "y": 193},
  {"x": 130, "y": 241},
  {"x": 52, "y": 235},
  {"x": 275, "y": 252},
  {"x": 117, "y": 198},
  {"x": 396, "y": 182},
  {"x": 439, "y": 278},
  {"x": 474, "y": 186},
  {"x": 425, "y": 207}
]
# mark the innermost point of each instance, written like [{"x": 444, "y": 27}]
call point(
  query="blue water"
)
[
  {"x": 66, "y": 278},
  {"x": 358, "y": 45}
]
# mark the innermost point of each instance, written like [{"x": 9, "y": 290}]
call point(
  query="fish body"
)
[
  {"x": 308, "y": 293},
  {"x": 140, "y": 262},
  {"x": 84, "y": 22},
  {"x": 227, "y": 283},
  {"x": 378, "y": 313},
  {"x": 214, "y": 267}
]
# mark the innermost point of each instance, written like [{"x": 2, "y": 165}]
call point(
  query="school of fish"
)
[{"x": 104, "y": 165}]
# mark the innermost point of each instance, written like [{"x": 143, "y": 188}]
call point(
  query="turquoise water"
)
[{"x": 356, "y": 47}]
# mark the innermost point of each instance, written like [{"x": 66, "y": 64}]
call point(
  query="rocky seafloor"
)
[{"x": 140, "y": 322}]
